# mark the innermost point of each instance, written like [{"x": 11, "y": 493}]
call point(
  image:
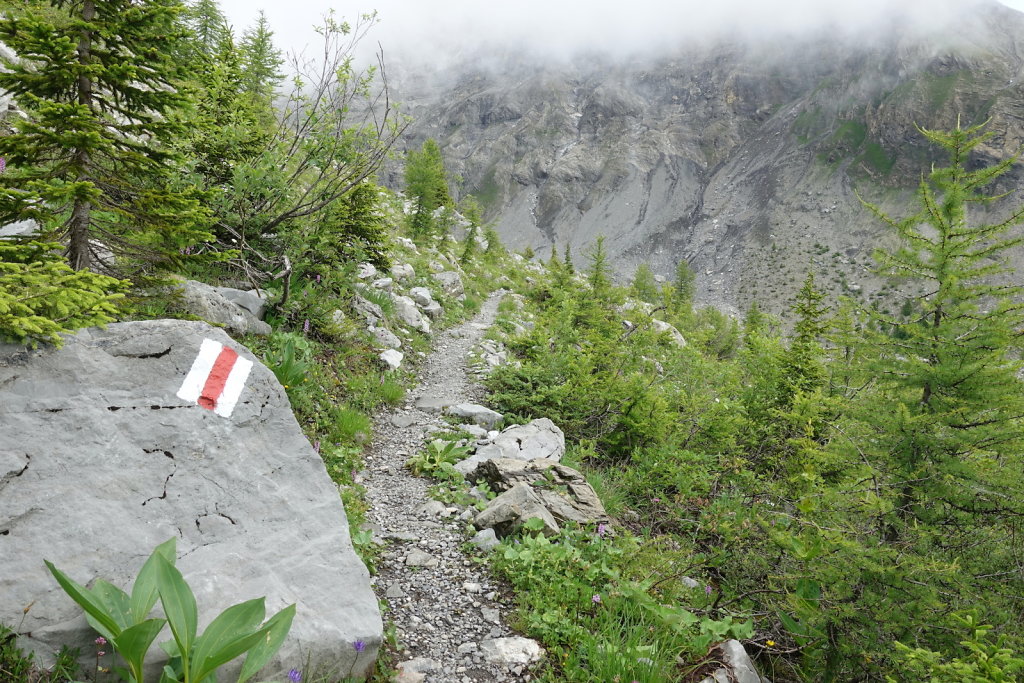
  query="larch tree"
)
[
  {"x": 91, "y": 160},
  {"x": 426, "y": 184},
  {"x": 949, "y": 410}
]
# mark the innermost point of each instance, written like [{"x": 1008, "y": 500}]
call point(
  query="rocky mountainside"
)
[{"x": 744, "y": 160}]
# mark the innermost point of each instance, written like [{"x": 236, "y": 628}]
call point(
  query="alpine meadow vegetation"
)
[
  {"x": 854, "y": 488},
  {"x": 841, "y": 489}
]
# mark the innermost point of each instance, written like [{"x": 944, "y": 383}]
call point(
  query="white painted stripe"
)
[
  {"x": 195, "y": 380},
  {"x": 233, "y": 387}
]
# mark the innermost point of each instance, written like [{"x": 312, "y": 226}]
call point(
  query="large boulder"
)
[
  {"x": 204, "y": 301},
  {"x": 101, "y": 460},
  {"x": 675, "y": 335},
  {"x": 451, "y": 283},
  {"x": 253, "y": 300},
  {"x": 563, "y": 491},
  {"x": 514, "y": 508},
  {"x": 405, "y": 309},
  {"x": 537, "y": 439},
  {"x": 26, "y": 228}
]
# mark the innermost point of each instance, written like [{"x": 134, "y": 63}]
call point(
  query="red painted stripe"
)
[{"x": 214, "y": 386}]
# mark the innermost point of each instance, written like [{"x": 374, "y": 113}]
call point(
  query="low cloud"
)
[{"x": 440, "y": 30}]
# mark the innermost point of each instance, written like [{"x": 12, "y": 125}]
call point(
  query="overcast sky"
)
[{"x": 440, "y": 27}]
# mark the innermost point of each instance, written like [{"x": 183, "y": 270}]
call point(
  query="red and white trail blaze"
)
[{"x": 216, "y": 379}]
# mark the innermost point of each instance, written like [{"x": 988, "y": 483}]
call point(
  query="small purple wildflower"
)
[
  {"x": 707, "y": 589},
  {"x": 100, "y": 641},
  {"x": 316, "y": 445},
  {"x": 305, "y": 326},
  {"x": 318, "y": 279},
  {"x": 602, "y": 529},
  {"x": 359, "y": 646},
  {"x": 100, "y": 653},
  {"x": 295, "y": 676},
  {"x": 655, "y": 500},
  {"x": 596, "y": 599},
  {"x": 3, "y": 164}
]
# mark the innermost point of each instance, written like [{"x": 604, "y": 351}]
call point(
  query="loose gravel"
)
[{"x": 442, "y": 604}]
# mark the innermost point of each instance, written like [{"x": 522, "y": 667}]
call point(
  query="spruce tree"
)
[
  {"x": 568, "y": 260},
  {"x": 599, "y": 274},
  {"x": 91, "y": 160},
  {"x": 261, "y": 61},
  {"x": 948, "y": 416},
  {"x": 41, "y": 297},
  {"x": 206, "y": 23},
  {"x": 802, "y": 366},
  {"x": 684, "y": 284}
]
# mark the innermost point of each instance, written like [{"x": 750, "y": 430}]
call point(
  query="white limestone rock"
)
[
  {"x": 206, "y": 302},
  {"x": 95, "y": 438},
  {"x": 477, "y": 414},
  {"x": 511, "y": 652},
  {"x": 392, "y": 358}
]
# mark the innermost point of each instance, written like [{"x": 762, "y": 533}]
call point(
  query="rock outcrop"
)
[
  {"x": 739, "y": 157},
  {"x": 535, "y": 440},
  {"x": 214, "y": 305},
  {"x": 101, "y": 460},
  {"x": 541, "y": 488}
]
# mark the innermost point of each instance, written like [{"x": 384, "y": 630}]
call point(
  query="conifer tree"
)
[
  {"x": 41, "y": 297},
  {"x": 644, "y": 286},
  {"x": 568, "y": 260},
  {"x": 599, "y": 273},
  {"x": 261, "y": 61},
  {"x": 802, "y": 366},
  {"x": 949, "y": 416},
  {"x": 92, "y": 163},
  {"x": 225, "y": 129},
  {"x": 684, "y": 284},
  {"x": 426, "y": 184},
  {"x": 207, "y": 24}
]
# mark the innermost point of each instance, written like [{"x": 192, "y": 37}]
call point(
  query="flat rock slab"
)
[
  {"x": 102, "y": 461},
  {"x": 477, "y": 414},
  {"x": 433, "y": 404}
]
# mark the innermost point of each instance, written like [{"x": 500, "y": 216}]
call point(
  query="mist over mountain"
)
[{"x": 740, "y": 155}]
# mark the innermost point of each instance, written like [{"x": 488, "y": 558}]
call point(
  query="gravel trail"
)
[{"x": 442, "y": 604}]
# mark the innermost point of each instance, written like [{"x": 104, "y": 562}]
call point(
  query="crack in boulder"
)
[{"x": 163, "y": 495}]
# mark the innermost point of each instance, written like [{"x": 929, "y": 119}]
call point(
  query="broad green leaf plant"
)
[{"x": 124, "y": 621}]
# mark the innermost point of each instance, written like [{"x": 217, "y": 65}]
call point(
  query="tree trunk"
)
[{"x": 79, "y": 252}]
